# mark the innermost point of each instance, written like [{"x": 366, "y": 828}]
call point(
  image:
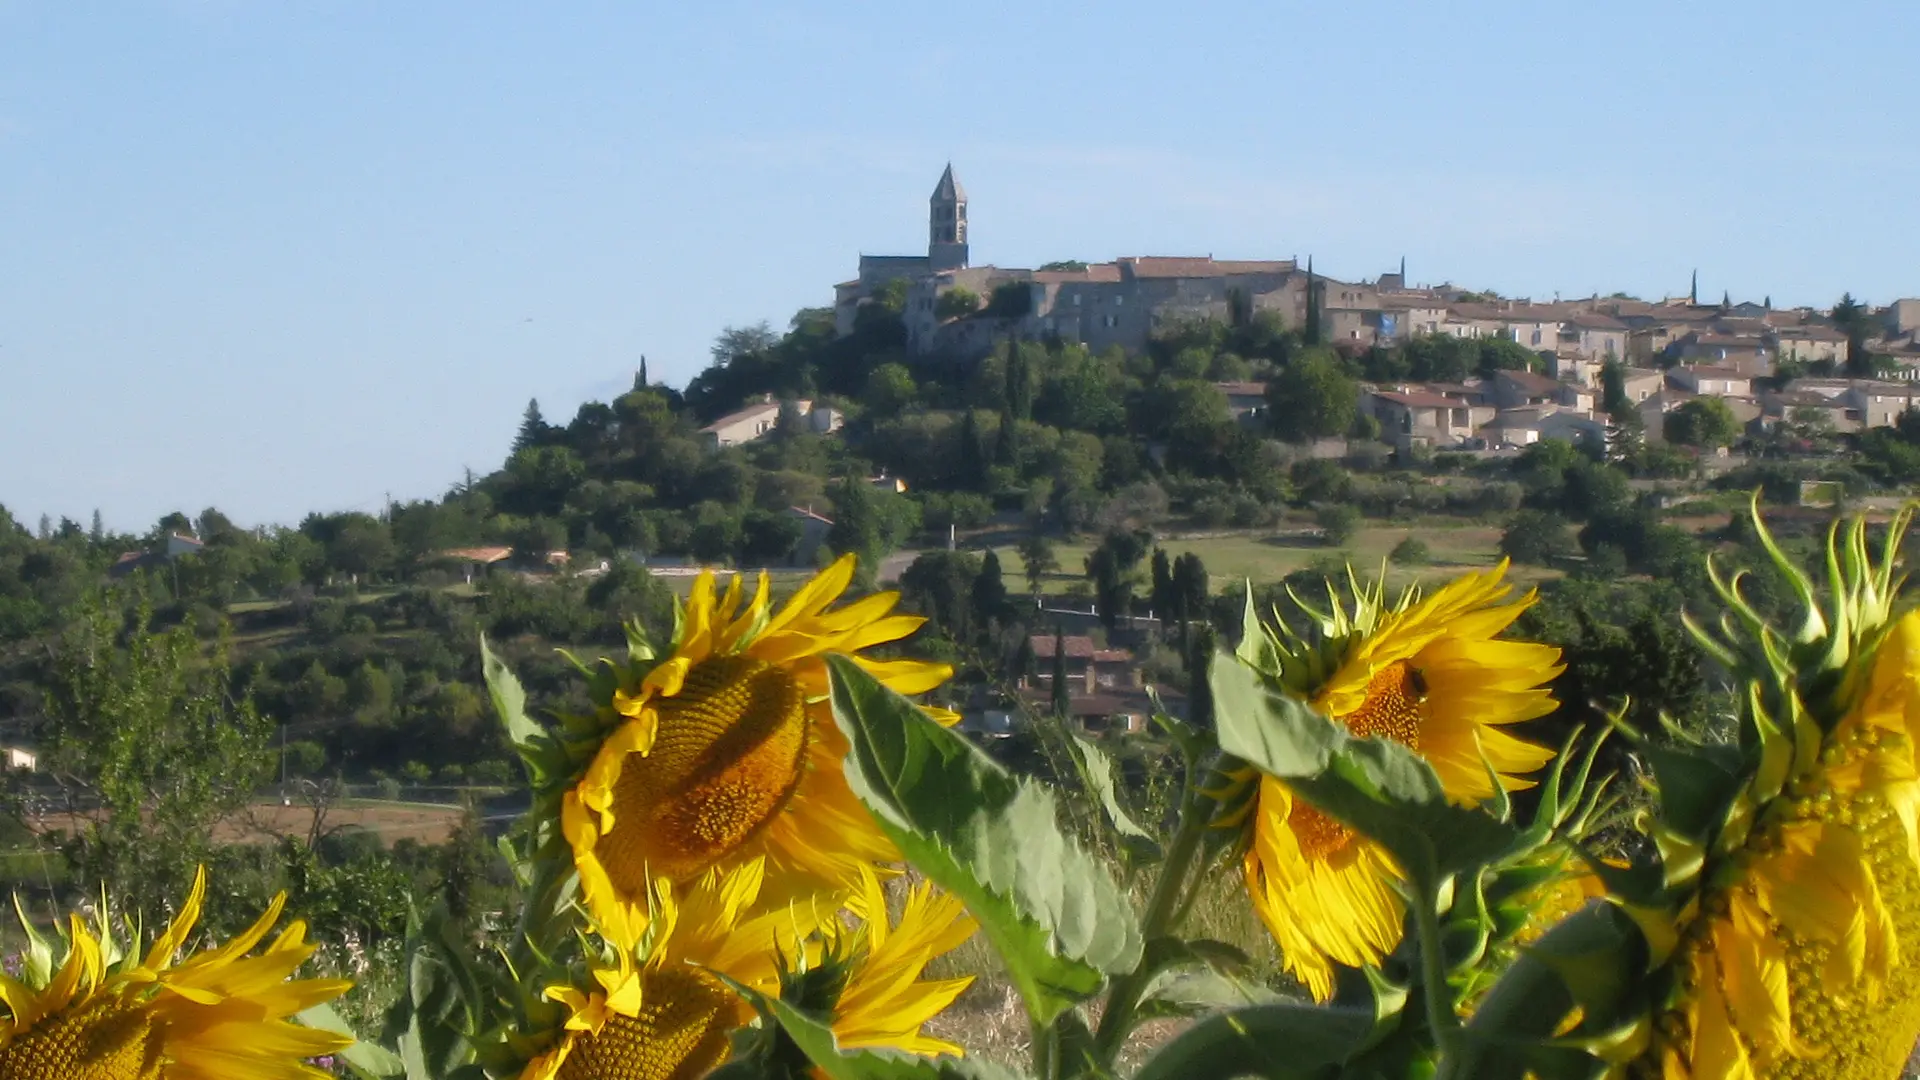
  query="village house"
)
[
  {"x": 1105, "y": 690},
  {"x": 472, "y": 563},
  {"x": 1594, "y": 336},
  {"x": 1639, "y": 384},
  {"x": 759, "y": 420},
  {"x": 1809, "y": 407},
  {"x": 1878, "y": 403},
  {"x": 1810, "y": 344},
  {"x": 1749, "y": 355},
  {"x": 1246, "y": 401},
  {"x": 1414, "y": 416},
  {"x": 1404, "y": 317},
  {"x": 1517, "y": 389},
  {"x": 173, "y": 547},
  {"x": 1528, "y": 424},
  {"x": 1712, "y": 380}
]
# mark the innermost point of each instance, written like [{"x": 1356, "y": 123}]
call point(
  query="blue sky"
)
[{"x": 278, "y": 258}]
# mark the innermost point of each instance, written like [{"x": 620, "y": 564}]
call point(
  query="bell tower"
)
[{"x": 947, "y": 224}]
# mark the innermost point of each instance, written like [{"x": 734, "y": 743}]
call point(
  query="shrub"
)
[
  {"x": 1338, "y": 524},
  {"x": 1412, "y": 551},
  {"x": 1534, "y": 536}
]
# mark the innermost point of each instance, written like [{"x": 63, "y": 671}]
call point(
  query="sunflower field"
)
[{"x": 755, "y": 855}]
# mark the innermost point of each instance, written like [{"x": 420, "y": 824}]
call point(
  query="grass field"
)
[{"x": 1270, "y": 556}]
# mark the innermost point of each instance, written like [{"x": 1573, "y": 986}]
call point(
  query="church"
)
[{"x": 1100, "y": 305}]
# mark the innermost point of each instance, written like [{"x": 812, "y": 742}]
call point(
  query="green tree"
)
[
  {"x": 1613, "y": 392},
  {"x": 1061, "y": 697},
  {"x": 890, "y": 390},
  {"x": 957, "y": 302},
  {"x": 1191, "y": 589},
  {"x": 989, "y": 594},
  {"x": 940, "y": 585},
  {"x": 1160, "y": 592},
  {"x": 1310, "y": 332},
  {"x": 148, "y": 744},
  {"x": 1705, "y": 422},
  {"x": 1313, "y": 397},
  {"x": 1854, "y": 319},
  {"x": 1112, "y": 567},
  {"x": 1535, "y": 537},
  {"x": 533, "y": 428},
  {"x": 1038, "y": 560},
  {"x": 857, "y": 529}
]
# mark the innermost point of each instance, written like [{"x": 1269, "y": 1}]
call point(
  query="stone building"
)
[{"x": 1119, "y": 303}]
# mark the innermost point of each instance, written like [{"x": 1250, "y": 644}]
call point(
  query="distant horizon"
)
[{"x": 278, "y": 260}]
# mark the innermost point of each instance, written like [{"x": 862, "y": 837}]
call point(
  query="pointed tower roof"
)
[{"x": 949, "y": 189}]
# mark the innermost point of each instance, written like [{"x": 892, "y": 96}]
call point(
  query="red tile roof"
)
[
  {"x": 1162, "y": 266},
  {"x": 1242, "y": 389},
  {"x": 1079, "y": 647},
  {"x": 1419, "y": 399},
  {"x": 1095, "y": 272},
  {"x": 477, "y": 554}
]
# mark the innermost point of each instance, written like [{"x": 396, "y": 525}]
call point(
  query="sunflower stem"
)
[
  {"x": 1433, "y": 979},
  {"x": 1163, "y": 909},
  {"x": 1046, "y": 1051}
]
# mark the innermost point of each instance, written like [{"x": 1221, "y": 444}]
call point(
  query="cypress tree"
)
[
  {"x": 533, "y": 427},
  {"x": 1311, "y": 331},
  {"x": 1162, "y": 597},
  {"x": 989, "y": 597},
  {"x": 1061, "y": 700},
  {"x": 972, "y": 468}
]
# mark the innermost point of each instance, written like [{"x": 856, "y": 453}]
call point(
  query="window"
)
[
  {"x": 1536, "y": 335},
  {"x": 1119, "y": 301},
  {"x": 1076, "y": 299}
]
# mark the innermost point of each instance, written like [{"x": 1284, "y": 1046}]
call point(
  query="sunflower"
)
[
  {"x": 1799, "y": 961},
  {"x": 217, "y": 1015},
  {"x": 666, "y": 1016},
  {"x": 727, "y": 750},
  {"x": 1430, "y": 674},
  {"x": 884, "y": 1002}
]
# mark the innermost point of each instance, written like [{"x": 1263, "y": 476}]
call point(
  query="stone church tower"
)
[{"x": 947, "y": 224}]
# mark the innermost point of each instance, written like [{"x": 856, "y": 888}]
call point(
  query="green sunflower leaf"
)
[
  {"x": 527, "y": 737},
  {"x": 1279, "y": 1041},
  {"x": 1377, "y": 787},
  {"x": 1052, "y": 911},
  {"x": 366, "y": 1059},
  {"x": 1097, "y": 771}
]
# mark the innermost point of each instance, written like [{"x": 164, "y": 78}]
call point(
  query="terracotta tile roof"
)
[
  {"x": 1810, "y": 333},
  {"x": 476, "y": 554},
  {"x": 1079, "y": 647},
  {"x": 751, "y": 412},
  {"x": 1412, "y": 303},
  {"x": 1803, "y": 399},
  {"x": 1163, "y": 266},
  {"x": 1593, "y": 320},
  {"x": 1728, "y": 341},
  {"x": 1242, "y": 389},
  {"x": 1095, "y": 272},
  {"x": 1417, "y": 399},
  {"x": 1531, "y": 382},
  {"x": 1710, "y": 371}
]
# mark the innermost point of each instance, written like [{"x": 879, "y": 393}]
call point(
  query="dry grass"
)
[
  {"x": 989, "y": 1020},
  {"x": 429, "y": 823}
]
